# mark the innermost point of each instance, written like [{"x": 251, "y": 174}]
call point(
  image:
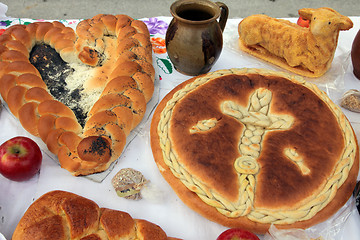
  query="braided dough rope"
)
[
  {"x": 247, "y": 183},
  {"x": 129, "y": 86},
  {"x": 63, "y": 215}
]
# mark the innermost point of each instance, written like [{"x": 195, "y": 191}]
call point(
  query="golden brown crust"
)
[
  {"x": 148, "y": 231},
  {"x": 126, "y": 81},
  {"x": 64, "y": 215},
  {"x": 305, "y": 51},
  {"x": 110, "y": 222},
  {"x": 201, "y": 159}
]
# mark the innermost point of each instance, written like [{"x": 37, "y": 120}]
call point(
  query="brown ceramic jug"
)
[
  {"x": 355, "y": 55},
  {"x": 194, "y": 37}
]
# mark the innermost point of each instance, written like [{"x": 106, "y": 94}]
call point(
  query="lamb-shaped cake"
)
[{"x": 305, "y": 51}]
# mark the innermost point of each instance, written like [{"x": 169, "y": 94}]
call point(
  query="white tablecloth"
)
[{"x": 164, "y": 207}]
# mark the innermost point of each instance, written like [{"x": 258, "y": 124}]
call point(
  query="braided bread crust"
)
[
  {"x": 228, "y": 171},
  {"x": 63, "y": 215},
  {"x": 119, "y": 49}
]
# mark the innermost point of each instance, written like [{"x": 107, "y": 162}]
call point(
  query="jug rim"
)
[{"x": 179, "y": 5}]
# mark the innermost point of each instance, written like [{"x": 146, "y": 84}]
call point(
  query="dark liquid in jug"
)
[{"x": 195, "y": 15}]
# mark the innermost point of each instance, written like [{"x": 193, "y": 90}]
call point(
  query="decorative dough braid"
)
[
  {"x": 64, "y": 215},
  {"x": 246, "y": 166},
  {"x": 121, "y": 106}
]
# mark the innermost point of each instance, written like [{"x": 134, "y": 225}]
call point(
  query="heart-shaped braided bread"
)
[{"x": 114, "y": 56}]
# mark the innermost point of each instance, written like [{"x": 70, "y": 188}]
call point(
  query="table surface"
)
[{"x": 160, "y": 204}]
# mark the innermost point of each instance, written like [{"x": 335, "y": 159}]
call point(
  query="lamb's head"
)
[{"x": 325, "y": 21}]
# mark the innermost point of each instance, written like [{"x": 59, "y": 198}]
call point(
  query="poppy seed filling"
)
[{"x": 54, "y": 72}]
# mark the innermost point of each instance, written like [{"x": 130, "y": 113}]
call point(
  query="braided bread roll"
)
[
  {"x": 123, "y": 72},
  {"x": 60, "y": 215}
]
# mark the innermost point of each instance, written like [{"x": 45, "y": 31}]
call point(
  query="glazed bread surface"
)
[
  {"x": 61, "y": 215},
  {"x": 110, "y": 63},
  {"x": 248, "y": 148}
]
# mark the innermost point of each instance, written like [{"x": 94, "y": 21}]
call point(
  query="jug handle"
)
[{"x": 223, "y": 15}]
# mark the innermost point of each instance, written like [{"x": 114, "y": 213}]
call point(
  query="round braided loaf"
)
[
  {"x": 125, "y": 62},
  {"x": 186, "y": 168}
]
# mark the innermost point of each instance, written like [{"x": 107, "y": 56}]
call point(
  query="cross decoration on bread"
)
[{"x": 256, "y": 120}]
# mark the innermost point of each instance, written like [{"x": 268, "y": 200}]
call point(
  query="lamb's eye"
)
[
  {"x": 314, "y": 18},
  {"x": 329, "y": 23}
]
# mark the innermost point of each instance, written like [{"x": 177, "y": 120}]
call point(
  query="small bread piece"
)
[
  {"x": 248, "y": 148},
  {"x": 81, "y": 92},
  {"x": 61, "y": 215},
  {"x": 305, "y": 51}
]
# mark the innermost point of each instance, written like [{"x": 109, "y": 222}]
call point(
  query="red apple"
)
[
  {"x": 20, "y": 158},
  {"x": 237, "y": 234}
]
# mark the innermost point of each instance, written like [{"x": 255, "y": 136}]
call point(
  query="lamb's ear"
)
[
  {"x": 306, "y": 13},
  {"x": 345, "y": 23}
]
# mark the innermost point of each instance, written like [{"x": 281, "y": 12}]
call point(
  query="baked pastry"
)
[
  {"x": 351, "y": 100},
  {"x": 249, "y": 148},
  {"x": 60, "y": 215},
  {"x": 81, "y": 93},
  {"x": 305, "y": 51}
]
